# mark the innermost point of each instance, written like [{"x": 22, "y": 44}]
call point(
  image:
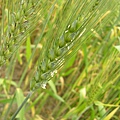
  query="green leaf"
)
[
  {"x": 71, "y": 61},
  {"x": 68, "y": 72},
  {"x": 5, "y": 101},
  {"x": 82, "y": 94},
  {"x": 101, "y": 108},
  {"x": 55, "y": 95},
  {"x": 118, "y": 47},
  {"x": 59, "y": 98},
  {"x": 20, "y": 99},
  {"x": 19, "y": 57},
  {"x": 109, "y": 116},
  {"x": 7, "y": 82},
  {"x": 52, "y": 85}
]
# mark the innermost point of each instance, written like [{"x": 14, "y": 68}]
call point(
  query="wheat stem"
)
[{"x": 21, "y": 106}]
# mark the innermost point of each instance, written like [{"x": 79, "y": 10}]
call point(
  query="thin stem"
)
[{"x": 23, "y": 103}]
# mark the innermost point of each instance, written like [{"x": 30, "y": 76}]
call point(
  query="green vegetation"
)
[{"x": 60, "y": 60}]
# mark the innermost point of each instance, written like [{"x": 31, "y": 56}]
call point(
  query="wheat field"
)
[{"x": 59, "y": 60}]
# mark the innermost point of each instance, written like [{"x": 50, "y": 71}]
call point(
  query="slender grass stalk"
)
[{"x": 23, "y": 103}]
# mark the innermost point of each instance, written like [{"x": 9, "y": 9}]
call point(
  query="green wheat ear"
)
[
  {"x": 48, "y": 67},
  {"x": 68, "y": 43},
  {"x": 16, "y": 24}
]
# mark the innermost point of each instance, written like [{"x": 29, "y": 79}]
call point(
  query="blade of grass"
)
[{"x": 110, "y": 115}]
